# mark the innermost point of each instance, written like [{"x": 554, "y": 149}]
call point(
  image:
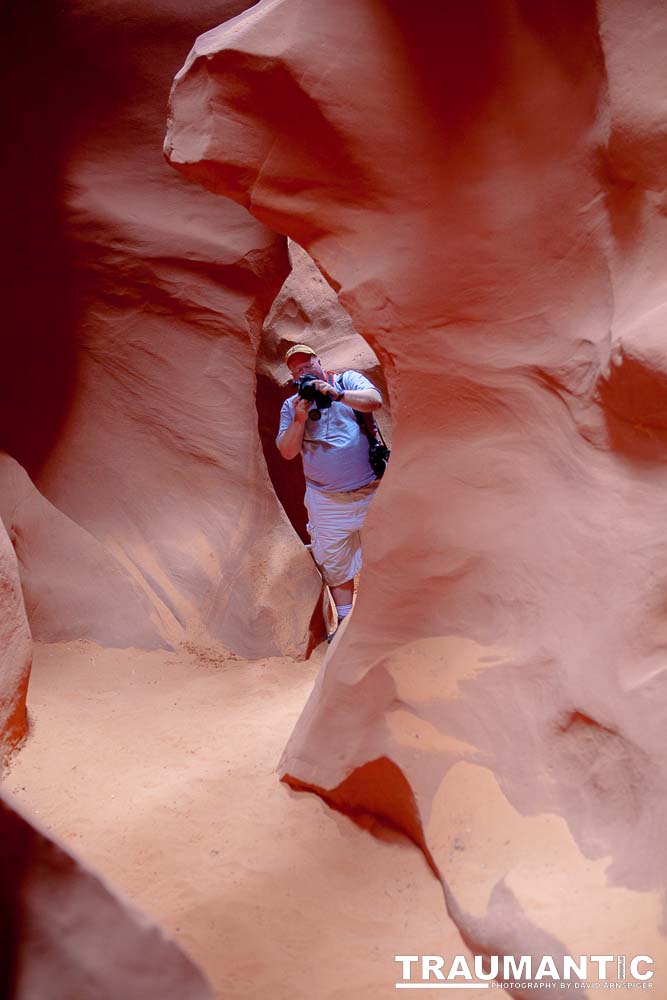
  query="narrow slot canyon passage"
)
[{"x": 158, "y": 769}]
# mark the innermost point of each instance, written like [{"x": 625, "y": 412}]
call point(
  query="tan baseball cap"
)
[{"x": 299, "y": 349}]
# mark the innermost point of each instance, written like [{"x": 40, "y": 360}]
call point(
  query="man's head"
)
[{"x": 302, "y": 360}]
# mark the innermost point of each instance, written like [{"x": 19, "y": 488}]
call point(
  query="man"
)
[{"x": 340, "y": 483}]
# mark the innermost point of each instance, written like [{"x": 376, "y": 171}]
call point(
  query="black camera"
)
[
  {"x": 378, "y": 456},
  {"x": 306, "y": 390}
]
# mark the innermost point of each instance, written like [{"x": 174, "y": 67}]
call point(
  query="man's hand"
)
[
  {"x": 301, "y": 410},
  {"x": 324, "y": 388},
  {"x": 290, "y": 441}
]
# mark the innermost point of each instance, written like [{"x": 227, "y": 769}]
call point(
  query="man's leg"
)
[
  {"x": 333, "y": 524},
  {"x": 343, "y": 596}
]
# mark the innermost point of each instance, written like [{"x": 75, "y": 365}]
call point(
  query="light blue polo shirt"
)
[{"x": 335, "y": 449}]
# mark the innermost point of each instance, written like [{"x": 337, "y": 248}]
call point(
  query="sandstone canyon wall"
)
[
  {"x": 133, "y": 482},
  {"x": 484, "y": 184}
]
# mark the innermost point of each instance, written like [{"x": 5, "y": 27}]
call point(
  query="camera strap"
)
[
  {"x": 369, "y": 427},
  {"x": 366, "y": 421}
]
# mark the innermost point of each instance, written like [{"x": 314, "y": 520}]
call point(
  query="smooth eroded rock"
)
[{"x": 474, "y": 181}]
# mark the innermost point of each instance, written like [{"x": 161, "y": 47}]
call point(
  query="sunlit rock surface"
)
[
  {"x": 134, "y": 305},
  {"x": 484, "y": 185},
  {"x": 307, "y": 310}
]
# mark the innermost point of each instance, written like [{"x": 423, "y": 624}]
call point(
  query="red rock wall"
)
[
  {"x": 134, "y": 312},
  {"x": 483, "y": 184},
  {"x": 66, "y": 934}
]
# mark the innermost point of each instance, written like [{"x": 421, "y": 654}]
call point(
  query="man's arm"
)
[
  {"x": 364, "y": 400},
  {"x": 290, "y": 441}
]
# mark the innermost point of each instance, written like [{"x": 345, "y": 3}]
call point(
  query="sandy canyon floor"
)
[{"x": 158, "y": 769}]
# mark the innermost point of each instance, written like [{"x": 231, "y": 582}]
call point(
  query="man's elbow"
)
[
  {"x": 285, "y": 451},
  {"x": 376, "y": 402}
]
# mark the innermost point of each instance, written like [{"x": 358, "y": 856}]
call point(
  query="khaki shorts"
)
[{"x": 334, "y": 523}]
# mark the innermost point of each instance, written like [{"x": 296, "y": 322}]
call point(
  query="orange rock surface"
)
[{"x": 484, "y": 186}]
